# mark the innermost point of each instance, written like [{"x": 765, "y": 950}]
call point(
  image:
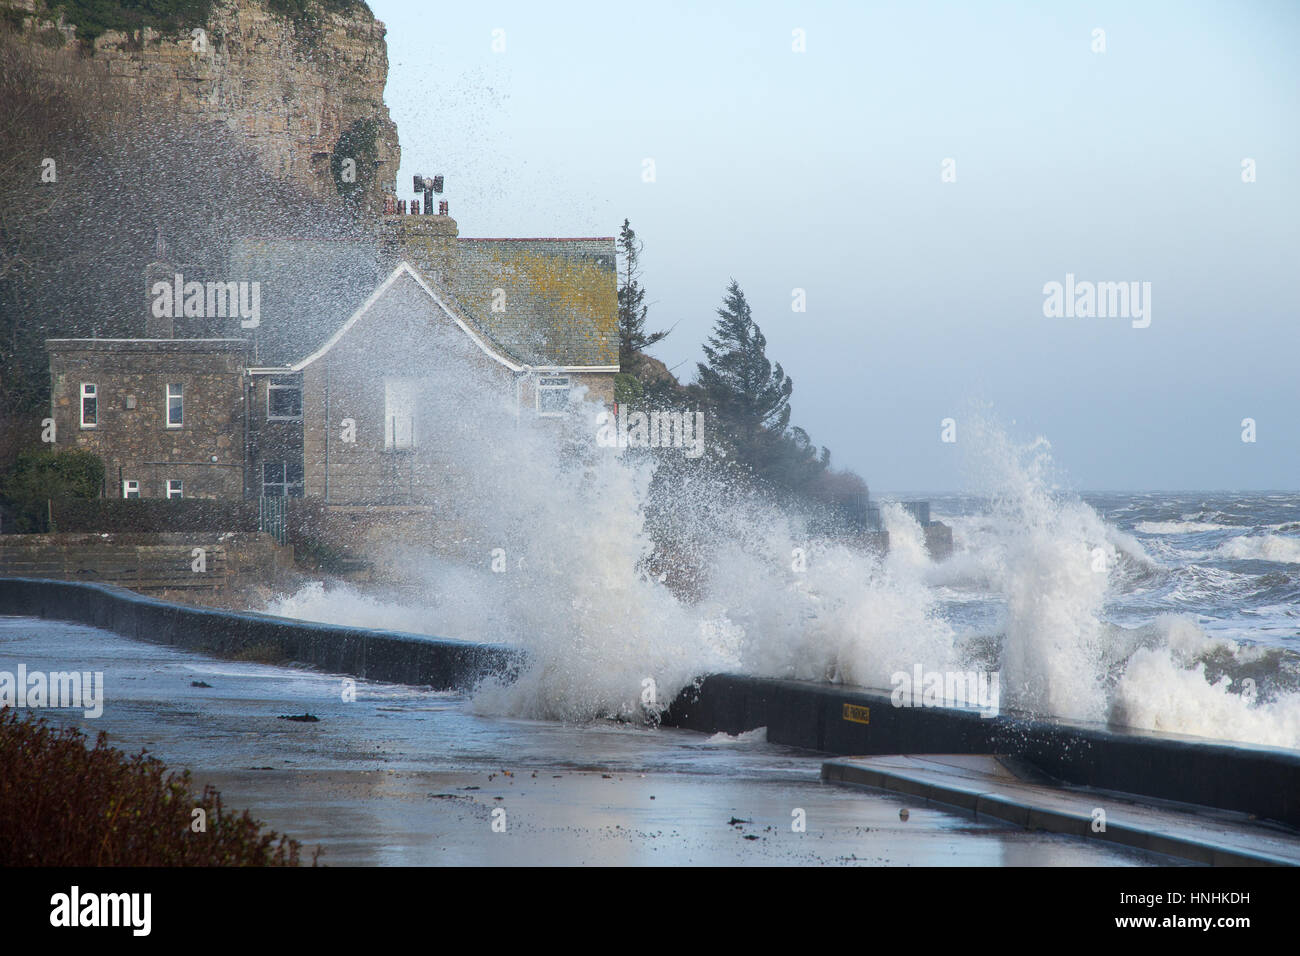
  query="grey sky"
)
[{"x": 821, "y": 170}]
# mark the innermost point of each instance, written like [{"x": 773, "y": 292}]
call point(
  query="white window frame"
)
[
  {"x": 272, "y": 386},
  {"x": 130, "y": 488},
  {"x": 179, "y": 488},
  {"x": 549, "y": 383},
  {"x": 399, "y": 435},
  {"x": 167, "y": 411},
  {"x": 89, "y": 390}
]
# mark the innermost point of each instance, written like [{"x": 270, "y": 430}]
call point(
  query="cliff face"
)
[{"x": 292, "y": 88}]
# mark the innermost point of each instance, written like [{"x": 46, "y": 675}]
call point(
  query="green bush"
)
[
  {"x": 627, "y": 388},
  {"x": 38, "y": 476},
  {"x": 63, "y": 803}
]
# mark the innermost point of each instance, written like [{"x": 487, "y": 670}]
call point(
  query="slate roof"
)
[
  {"x": 561, "y": 295},
  {"x": 560, "y": 302},
  {"x": 309, "y": 287}
]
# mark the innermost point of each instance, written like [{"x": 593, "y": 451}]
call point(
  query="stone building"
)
[
  {"x": 303, "y": 399},
  {"x": 166, "y": 416}
]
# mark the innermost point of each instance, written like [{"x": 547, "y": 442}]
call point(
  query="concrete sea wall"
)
[
  {"x": 390, "y": 656},
  {"x": 1263, "y": 781}
]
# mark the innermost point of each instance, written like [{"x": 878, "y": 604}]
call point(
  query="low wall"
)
[
  {"x": 375, "y": 655},
  {"x": 146, "y": 562}
]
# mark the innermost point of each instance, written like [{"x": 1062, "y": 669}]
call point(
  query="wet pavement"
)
[{"x": 403, "y": 776}]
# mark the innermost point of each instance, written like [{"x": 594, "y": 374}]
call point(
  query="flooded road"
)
[{"x": 403, "y": 776}]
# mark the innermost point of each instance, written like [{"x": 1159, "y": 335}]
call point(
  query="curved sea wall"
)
[{"x": 374, "y": 655}]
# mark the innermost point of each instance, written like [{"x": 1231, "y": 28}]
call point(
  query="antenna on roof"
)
[{"x": 429, "y": 186}]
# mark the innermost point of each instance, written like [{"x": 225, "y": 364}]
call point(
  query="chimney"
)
[{"x": 426, "y": 240}]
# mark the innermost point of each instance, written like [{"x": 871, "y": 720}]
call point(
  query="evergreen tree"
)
[
  {"x": 748, "y": 393},
  {"x": 632, "y": 310}
]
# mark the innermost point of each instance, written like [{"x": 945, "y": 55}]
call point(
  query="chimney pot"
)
[{"x": 442, "y": 207}]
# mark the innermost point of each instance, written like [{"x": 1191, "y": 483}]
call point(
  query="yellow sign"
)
[{"x": 857, "y": 713}]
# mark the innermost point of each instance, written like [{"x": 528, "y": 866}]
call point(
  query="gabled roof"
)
[{"x": 442, "y": 301}]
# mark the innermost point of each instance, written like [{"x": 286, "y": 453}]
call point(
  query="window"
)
[
  {"x": 400, "y": 399},
  {"x": 175, "y": 407},
  {"x": 89, "y": 405},
  {"x": 284, "y": 399},
  {"x": 130, "y": 489},
  {"x": 282, "y": 479},
  {"x": 552, "y": 394},
  {"x": 175, "y": 488}
]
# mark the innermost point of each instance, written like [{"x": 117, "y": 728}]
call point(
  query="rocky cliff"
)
[{"x": 302, "y": 82}]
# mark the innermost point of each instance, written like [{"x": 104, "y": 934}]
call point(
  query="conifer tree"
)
[
  {"x": 632, "y": 310},
  {"x": 749, "y": 394}
]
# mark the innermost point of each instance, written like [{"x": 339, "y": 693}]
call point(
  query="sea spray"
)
[
  {"x": 580, "y": 590},
  {"x": 1052, "y": 564}
]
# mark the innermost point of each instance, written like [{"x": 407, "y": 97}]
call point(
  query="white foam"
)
[
  {"x": 1166, "y": 688},
  {"x": 1178, "y": 527},
  {"x": 1266, "y": 547},
  {"x": 756, "y": 736}
]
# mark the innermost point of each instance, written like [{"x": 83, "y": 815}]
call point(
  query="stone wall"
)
[
  {"x": 147, "y": 562},
  {"x": 290, "y": 89}
]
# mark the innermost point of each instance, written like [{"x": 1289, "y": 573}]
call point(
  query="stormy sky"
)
[{"x": 824, "y": 170}]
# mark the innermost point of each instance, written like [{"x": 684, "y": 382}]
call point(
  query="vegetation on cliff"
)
[{"x": 93, "y": 18}]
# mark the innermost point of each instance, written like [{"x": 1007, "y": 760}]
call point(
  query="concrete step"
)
[{"x": 988, "y": 786}]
